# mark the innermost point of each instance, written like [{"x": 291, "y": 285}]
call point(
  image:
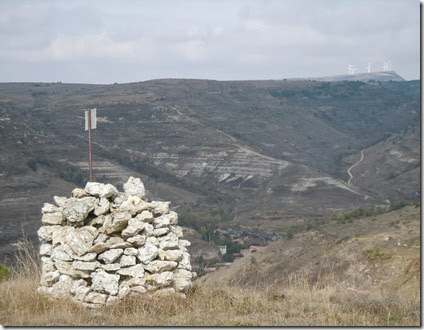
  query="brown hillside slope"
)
[{"x": 372, "y": 254}]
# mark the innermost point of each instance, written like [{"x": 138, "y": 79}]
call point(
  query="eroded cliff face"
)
[{"x": 100, "y": 245}]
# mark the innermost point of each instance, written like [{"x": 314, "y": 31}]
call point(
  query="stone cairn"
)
[{"x": 101, "y": 245}]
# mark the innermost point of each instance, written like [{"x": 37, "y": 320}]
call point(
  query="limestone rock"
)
[
  {"x": 185, "y": 262},
  {"x": 183, "y": 243},
  {"x": 158, "y": 266},
  {"x": 81, "y": 293},
  {"x": 86, "y": 257},
  {"x": 160, "y": 231},
  {"x": 67, "y": 268},
  {"x": 79, "y": 193},
  {"x": 49, "y": 208},
  {"x": 111, "y": 255},
  {"x": 123, "y": 289},
  {"x": 133, "y": 205},
  {"x": 60, "y": 201},
  {"x": 153, "y": 240},
  {"x": 62, "y": 288},
  {"x": 173, "y": 218},
  {"x": 160, "y": 222},
  {"x": 182, "y": 280},
  {"x": 133, "y": 271},
  {"x": 104, "y": 282},
  {"x": 160, "y": 280},
  {"x": 119, "y": 199},
  {"x": 148, "y": 229},
  {"x": 133, "y": 228},
  {"x": 137, "y": 240},
  {"x": 101, "y": 238},
  {"x": 130, "y": 251},
  {"x": 110, "y": 267},
  {"x": 169, "y": 241},
  {"x": 145, "y": 216},
  {"x": 78, "y": 283},
  {"x": 160, "y": 208},
  {"x": 115, "y": 223},
  {"x": 170, "y": 255},
  {"x": 102, "y": 207},
  {"x": 62, "y": 252},
  {"x": 96, "y": 298},
  {"x": 117, "y": 243},
  {"x": 55, "y": 218},
  {"x": 177, "y": 230},
  {"x": 86, "y": 265},
  {"x": 46, "y": 249},
  {"x": 125, "y": 261},
  {"x": 98, "y": 248},
  {"x": 45, "y": 233},
  {"x": 76, "y": 209},
  {"x": 101, "y": 190},
  {"x": 135, "y": 187},
  {"x": 137, "y": 281},
  {"x": 147, "y": 253},
  {"x": 48, "y": 279},
  {"x": 47, "y": 265},
  {"x": 80, "y": 240}
]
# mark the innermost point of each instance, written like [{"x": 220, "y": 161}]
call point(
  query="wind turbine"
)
[
  {"x": 369, "y": 67},
  {"x": 387, "y": 66},
  {"x": 351, "y": 69}
]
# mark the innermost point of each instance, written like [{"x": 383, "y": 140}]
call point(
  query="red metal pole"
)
[{"x": 90, "y": 161}]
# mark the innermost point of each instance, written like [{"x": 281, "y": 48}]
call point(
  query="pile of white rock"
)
[{"x": 101, "y": 245}]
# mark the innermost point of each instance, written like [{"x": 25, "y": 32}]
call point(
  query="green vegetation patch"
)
[
  {"x": 378, "y": 252},
  {"x": 4, "y": 272}
]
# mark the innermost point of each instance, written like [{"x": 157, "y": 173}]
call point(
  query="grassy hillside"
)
[{"x": 364, "y": 273}]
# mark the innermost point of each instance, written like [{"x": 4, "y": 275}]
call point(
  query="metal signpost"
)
[{"x": 90, "y": 123}]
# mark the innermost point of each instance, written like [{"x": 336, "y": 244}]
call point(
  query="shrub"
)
[
  {"x": 378, "y": 252},
  {"x": 32, "y": 164},
  {"x": 4, "y": 272}
]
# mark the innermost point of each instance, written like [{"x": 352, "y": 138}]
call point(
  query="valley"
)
[{"x": 269, "y": 156}]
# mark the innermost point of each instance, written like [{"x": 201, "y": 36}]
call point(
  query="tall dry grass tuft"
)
[{"x": 298, "y": 303}]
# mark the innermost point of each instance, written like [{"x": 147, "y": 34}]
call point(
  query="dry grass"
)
[
  {"x": 297, "y": 304},
  {"x": 20, "y": 305}
]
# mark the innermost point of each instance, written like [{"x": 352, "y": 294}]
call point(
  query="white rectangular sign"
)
[{"x": 93, "y": 119}]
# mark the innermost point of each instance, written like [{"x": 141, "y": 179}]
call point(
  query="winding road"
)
[{"x": 350, "y": 168}]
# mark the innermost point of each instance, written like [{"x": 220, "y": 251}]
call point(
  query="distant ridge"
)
[{"x": 364, "y": 77}]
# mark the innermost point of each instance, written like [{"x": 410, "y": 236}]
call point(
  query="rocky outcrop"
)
[{"x": 101, "y": 245}]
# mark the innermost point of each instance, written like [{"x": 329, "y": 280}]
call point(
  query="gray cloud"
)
[{"x": 107, "y": 41}]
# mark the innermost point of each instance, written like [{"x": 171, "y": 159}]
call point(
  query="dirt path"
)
[{"x": 350, "y": 168}]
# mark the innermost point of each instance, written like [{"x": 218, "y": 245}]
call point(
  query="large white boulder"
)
[
  {"x": 133, "y": 205},
  {"x": 158, "y": 266},
  {"x": 147, "y": 253},
  {"x": 76, "y": 209},
  {"x": 55, "y": 218},
  {"x": 101, "y": 190},
  {"x": 111, "y": 255},
  {"x": 104, "y": 282},
  {"x": 133, "y": 271},
  {"x": 116, "y": 222},
  {"x": 169, "y": 241},
  {"x": 102, "y": 206},
  {"x": 182, "y": 280},
  {"x": 135, "y": 187}
]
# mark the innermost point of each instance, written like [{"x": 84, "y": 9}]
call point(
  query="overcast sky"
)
[{"x": 101, "y": 41}]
